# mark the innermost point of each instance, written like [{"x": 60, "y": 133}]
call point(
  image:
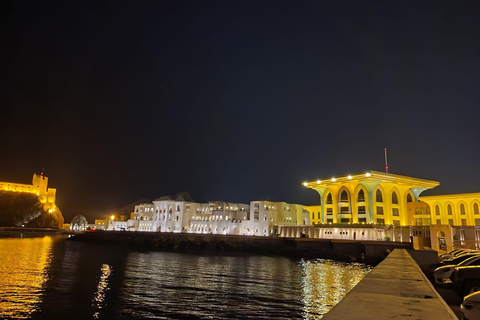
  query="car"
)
[
  {"x": 453, "y": 254},
  {"x": 466, "y": 279},
  {"x": 454, "y": 261},
  {"x": 471, "y": 306},
  {"x": 442, "y": 274}
]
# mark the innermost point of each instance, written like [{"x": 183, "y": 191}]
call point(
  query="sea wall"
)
[
  {"x": 395, "y": 289},
  {"x": 370, "y": 252}
]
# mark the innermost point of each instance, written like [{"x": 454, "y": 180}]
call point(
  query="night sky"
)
[{"x": 235, "y": 100}]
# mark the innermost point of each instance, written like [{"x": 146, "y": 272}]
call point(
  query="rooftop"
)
[{"x": 373, "y": 176}]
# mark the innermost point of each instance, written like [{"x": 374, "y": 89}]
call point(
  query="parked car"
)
[
  {"x": 453, "y": 254},
  {"x": 471, "y": 306},
  {"x": 442, "y": 274},
  {"x": 454, "y": 261},
  {"x": 466, "y": 279}
]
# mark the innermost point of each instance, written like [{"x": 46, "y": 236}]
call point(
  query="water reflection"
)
[
  {"x": 325, "y": 283},
  {"x": 102, "y": 289},
  {"x": 50, "y": 278},
  {"x": 24, "y": 272}
]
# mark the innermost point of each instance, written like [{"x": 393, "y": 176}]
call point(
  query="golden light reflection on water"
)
[
  {"x": 325, "y": 283},
  {"x": 23, "y": 274},
  {"x": 102, "y": 288}
]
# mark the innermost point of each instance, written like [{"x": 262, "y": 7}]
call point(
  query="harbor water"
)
[{"x": 49, "y": 277}]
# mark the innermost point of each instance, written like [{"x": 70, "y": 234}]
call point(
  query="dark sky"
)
[{"x": 235, "y": 100}]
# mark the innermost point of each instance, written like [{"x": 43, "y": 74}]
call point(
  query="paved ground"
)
[{"x": 452, "y": 299}]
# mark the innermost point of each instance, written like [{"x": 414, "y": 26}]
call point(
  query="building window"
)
[
  {"x": 437, "y": 210},
  {"x": 394, "y": 198},
  {"x": 344, "y": 210},
  {"x": 449, "y": 211},
  {"x": 475, "y": 208},
  {"x": 379, "y": 197},
  {"x": 329, "y": 199},
  {"x": 421, "y": 210},
  {"x": 361, "y": 196},
  {"x": 450, "y": 222},
  {"x": 329, "y": 220},
  {"x": 318, "y": 215},
  {"x": 344, "y": 196},
  {"x": 428, "y": 210},
  {"x": 409, "y": 198},
  {"x": 362, "y": 220},
  {"x": 395, "y": 212},
  {"x": 329, "y": 211},
  {"x": 439, "y": 221},
  {"x": 416, "y": 210},
  {"x": 462, "y": 209},
  {"x": 396, "y": 223},
  {"x": 381, "y": 221},
  {"x": 477, "y": 222},
  {"x": 344, "y": 220},
  {"x": 361, "y": 210},
  {"x": 380, "y": 210}
]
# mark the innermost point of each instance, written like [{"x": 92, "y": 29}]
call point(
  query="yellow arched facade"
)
[
  {"x": 385, "y": 198},
  {"x": 455, "y": 209},
  {"x": 371, "y": 197}
]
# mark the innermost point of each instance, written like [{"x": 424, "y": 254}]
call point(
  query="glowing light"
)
[
  {"x": 318, "y": 181},
  {"x": 333, "y": 179},
  {"x": 349, "y": 177},
  {"x": 112, "y": 217},
  {"x": 368, "y": 174},
  {"x": 305, "y": 184}
]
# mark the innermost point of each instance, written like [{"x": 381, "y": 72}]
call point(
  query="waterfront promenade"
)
[{"x": 396, "y": 288}]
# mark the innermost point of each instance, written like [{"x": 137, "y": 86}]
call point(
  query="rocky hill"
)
[{"x": 17, "y": 209}]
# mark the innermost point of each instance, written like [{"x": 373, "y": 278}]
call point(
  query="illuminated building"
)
[
  {"x": 259, "y": 218},
  {"x": 38, "y": 187},
  {"x": 390, "y": 199},
  {"x": 371, "y": 197}
]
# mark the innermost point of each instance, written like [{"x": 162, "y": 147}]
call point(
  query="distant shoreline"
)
[
  {"x": 369, "y": 252},
  {"x": 32, "y": 230}
]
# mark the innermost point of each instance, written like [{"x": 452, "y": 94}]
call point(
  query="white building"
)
[{"x": 260, "y": 218}]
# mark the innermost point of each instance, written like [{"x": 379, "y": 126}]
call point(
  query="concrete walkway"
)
[{"x": 395, "y": 289}]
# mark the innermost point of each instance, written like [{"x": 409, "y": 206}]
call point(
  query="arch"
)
[
  {"x": 379, "y": 196},
  {"x": 329, "y": 198},
  {"x": 475, "y": 207},
  {"x": 361, "y": 196},
  {"x": 362, "y": 204},
  {"x": 409, "y": 197},
  {"x": 449, "y": 208},
  {"x": 462, "y": 208},
  {"x": 394, "y": 197},
  {"x": 344, "y": 196},
  {"x": 438, "y": 209}
]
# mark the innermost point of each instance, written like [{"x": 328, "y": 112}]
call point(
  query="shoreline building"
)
[
  {"x": 259, "y": 218},
  {"x": 368, "y": 206},
  {"x": 391, "y": 199},
  {"x": 38, "y": 187}
]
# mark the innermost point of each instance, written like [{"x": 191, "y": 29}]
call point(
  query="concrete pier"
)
[{"x": 395, "y": 289}]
